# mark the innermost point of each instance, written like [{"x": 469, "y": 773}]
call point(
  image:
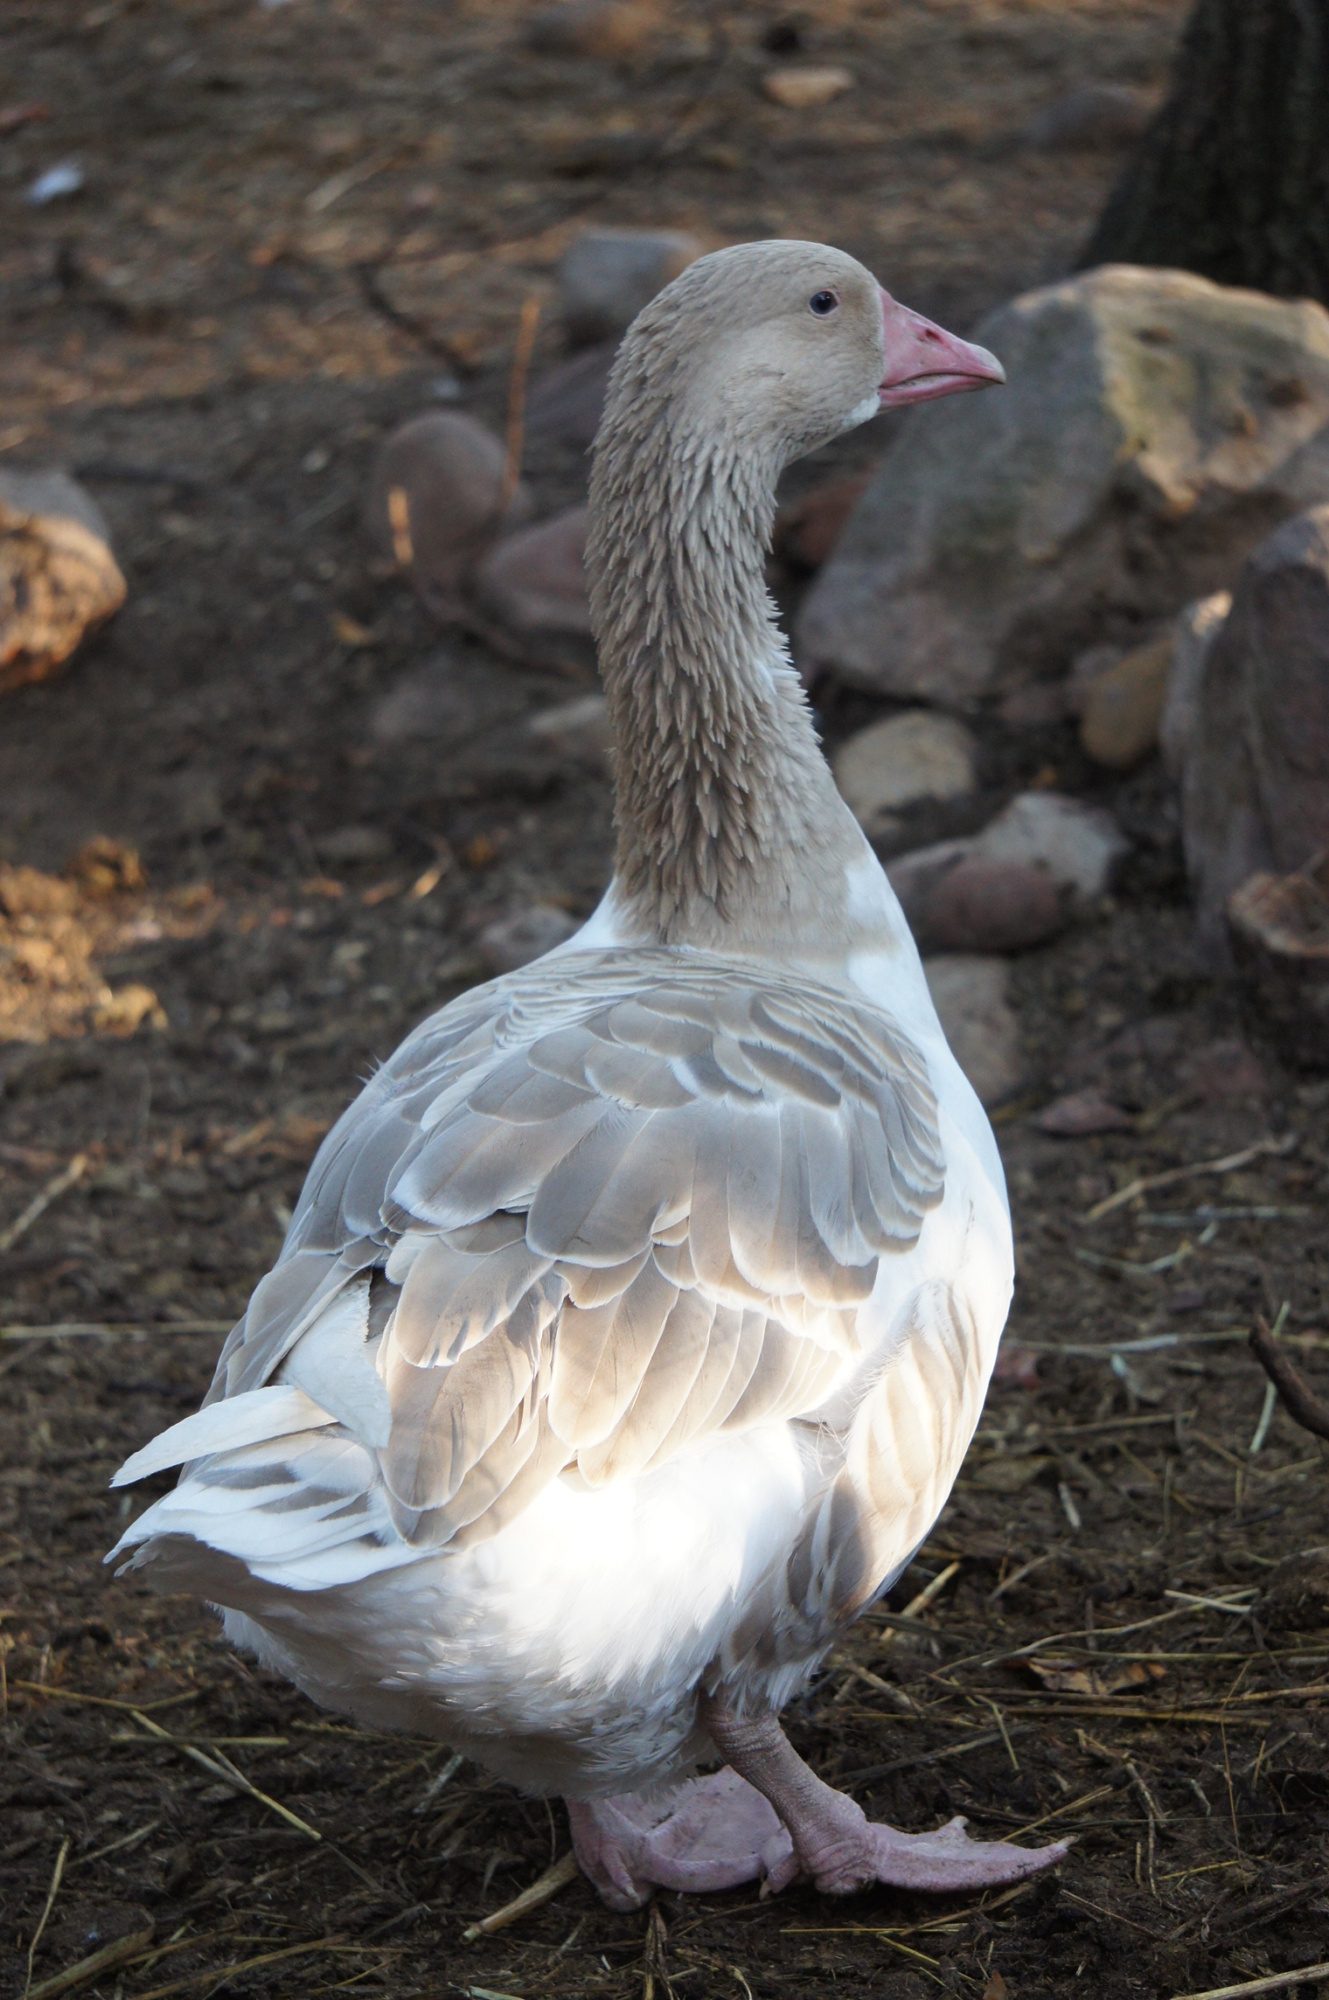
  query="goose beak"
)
[{"x": 923, "y": 361}]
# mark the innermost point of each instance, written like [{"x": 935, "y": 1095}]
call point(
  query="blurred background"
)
[{"x": 308, "y": 309}]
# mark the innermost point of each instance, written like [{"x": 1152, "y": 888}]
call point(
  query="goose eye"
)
[{"x": 823, "y": 303}]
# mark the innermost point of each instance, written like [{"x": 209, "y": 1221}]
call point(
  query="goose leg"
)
[
  {"x": 832, "y": 1841},
  {"x": 709, "y": 1833}
]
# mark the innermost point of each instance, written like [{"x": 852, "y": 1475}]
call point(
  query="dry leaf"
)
[{"x": 1082, "y": 1677}]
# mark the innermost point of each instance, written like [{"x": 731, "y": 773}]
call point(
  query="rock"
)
[
  {"x": 1123, "y": 707},
  {"x": 807, "y": 530},
  {"x": 1015, "y": 884},
  {"x": 806, "y": 86},
  {"x": 1080, "y": 846},
  {"x": 351, "y": 845},
  {"x": 516, "y": 939},
  {"x": 902, "y": 759},
  {"x": 1254, "y": 737},
  {"x": 1093, "y": 117},
  {"x": 970, "y": 995},
  {"x": 1081, "y": 1114},
  {"x": 1154, "y": 426},
  {"x": 58, "y": 577},
  {"x": 436, "y": 503},
  {"x": 978, "y": 904},
  {"x": 532, "y": 589},
  {"x": 566, "y": 402},
  {"x": 576, "y": 731},
  {"x": 1192, "y": 635},
  {"x": 607, "y": 275},
  {"x": 1279, "y": 926},
  {"x": 610, "y": 29}
]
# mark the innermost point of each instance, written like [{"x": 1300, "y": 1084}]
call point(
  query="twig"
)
[
  {"x": 1273, "y": 1982},
  {"x": 1300, "y": 1401},
  {"x": 1228, "y": 1164},
  {"x": 542, "y": 1891},
  {"x": 516, "y": 430},
  {"x": 57, "y": 1874},
  {"x": 920, "y": 1603},
  {"x": 42, "y": 1200},
  {"x": 118, "y": 1952},
  {"x": 222, "y": 1767}
]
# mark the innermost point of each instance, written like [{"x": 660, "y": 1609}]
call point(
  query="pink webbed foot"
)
[
  {"x": 709, "y": 1833},
  {"x": 842, "y": 1850}
]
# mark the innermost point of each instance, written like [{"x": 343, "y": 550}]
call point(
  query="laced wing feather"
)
[{"x": 609, "y": 1205}]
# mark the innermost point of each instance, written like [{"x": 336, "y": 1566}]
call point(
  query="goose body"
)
[{"x": 634, "y": 1320}]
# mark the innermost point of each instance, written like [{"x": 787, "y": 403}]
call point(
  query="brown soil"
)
[{"x": 297, "y": 222}]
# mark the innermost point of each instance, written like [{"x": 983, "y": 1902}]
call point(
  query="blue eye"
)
[{"x": 823, "y": 303}]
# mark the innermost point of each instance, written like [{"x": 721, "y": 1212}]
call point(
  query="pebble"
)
[
  {"x": 1080, "y": 846},
  {"x": 806, "y": 86},
  {"x": 902, "y": 759},
  {"x": 971, "y": 996},
  {"x": 515, "y": 939},
  {"x": 436, "y": 502},
  {"x": 1092, "y": 117},
  {"x": 566, "y": 402},
  {"x": 532, "y": 588},
  {"x": 1081, "y": 1114},
  {"x": 983, "y": 905},
  {"x": 1123, "y": 707},
  {"x": 606, "y": 276}
]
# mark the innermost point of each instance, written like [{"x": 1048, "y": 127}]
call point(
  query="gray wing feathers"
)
[{"x": 613, "y": 1203}]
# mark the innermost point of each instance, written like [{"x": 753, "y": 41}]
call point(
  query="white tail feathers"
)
[{"x": 253, "y": 1417}]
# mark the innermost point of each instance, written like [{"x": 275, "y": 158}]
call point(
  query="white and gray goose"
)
[{"x": 635, "y": 1318}]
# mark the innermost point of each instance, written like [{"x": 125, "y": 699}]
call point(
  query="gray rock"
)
[
  {"x": 1254, "y": 739},
  {"x": 1154, "y": 427},
  {"x": 531, "y": 588},
  {"x": 436, "y": 502},
  {"x": 58, "y": 577},
  {"x": 577, "y": 732},
  {"x": 566, "y": 402},
  {"x": 902, "y": 759},
  {"x": 522, "y": 935},
  {"x": 1015, "y": 884},
  {"x": 1093, "y": 117},
  {"x": 971, "y": 996},
  {"x": 608, "y": 275},
  {"x": 1193, "y": 634}
]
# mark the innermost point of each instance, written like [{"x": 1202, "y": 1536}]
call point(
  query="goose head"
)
[{"x": 772, "y": 349}]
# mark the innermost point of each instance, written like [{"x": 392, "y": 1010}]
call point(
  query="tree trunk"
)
[{"x": 1232, "y": 178}]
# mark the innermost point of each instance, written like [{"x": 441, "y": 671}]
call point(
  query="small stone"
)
[
  {"x": 902, "y": 759},
  {"x": 1123, "y": 707},
  {"x": 436, "y": 502},
  {"x": 1279, "y": 927},
  {"x": 1080, "y": 846},
  {"x": 354, "y": 844},
  {"x": 532, "y": 589},
  {"x": 607, "y": 275},
  {"x": 984, "y": 905},
  {"x": 1092, "y": 118},
  {"x": 516, "y": 939},
  {"x": 566, "y": 402},
  {"x": 58, "y": 577},
  {"x": 807, "y": 530},
  {"x": 127, "y": 1009},
  {"x": 970, "y": 995},
  {"x": 577, "y": 732},
  {"x": 806, "y": 86},
  {"x": 1081, "y": 1114},
  {"x": 610, "y": 29}
]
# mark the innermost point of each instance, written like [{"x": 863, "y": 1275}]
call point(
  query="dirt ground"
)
[{"x": 301, "y": 223}]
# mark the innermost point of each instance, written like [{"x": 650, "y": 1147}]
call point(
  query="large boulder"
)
[
  {"x": 1250, "y": 724},
  {"x": 1154, "y": 427}
]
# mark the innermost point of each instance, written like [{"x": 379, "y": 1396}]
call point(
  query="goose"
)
[{"x": 634, "y": 1320}]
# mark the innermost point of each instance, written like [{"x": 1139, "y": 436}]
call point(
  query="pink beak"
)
[{"x": 923, "y": 361}]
